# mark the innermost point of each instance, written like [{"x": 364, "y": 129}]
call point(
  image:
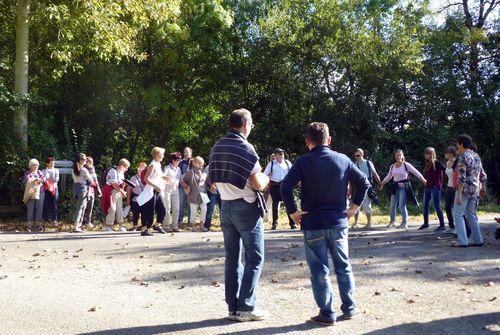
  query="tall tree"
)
[{"x": 21, "y": 70}]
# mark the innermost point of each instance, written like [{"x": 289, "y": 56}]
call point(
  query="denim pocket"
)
[{"x": 313, "y": 240}]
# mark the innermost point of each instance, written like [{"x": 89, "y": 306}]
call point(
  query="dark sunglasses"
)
[{"x": 357, "y": 156}]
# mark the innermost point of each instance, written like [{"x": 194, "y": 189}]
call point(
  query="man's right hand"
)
[{"x": 297, "y": 216}]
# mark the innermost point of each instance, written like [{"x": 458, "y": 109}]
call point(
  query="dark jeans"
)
[
  {"x": 318, "y": 244},
  {"x": 50, "y": 207},
  {"x": 435, "y": 194},
  {"x": 274, "y": 191},
  {"x": 214, "y": 200},
  {"x": 149, "y": 208},
  {"x": 242, "y": 226},
  {"x": 182, "y": 205},
  {"x": 449, "y": 199},
  {"x": 136, "y": 210}
]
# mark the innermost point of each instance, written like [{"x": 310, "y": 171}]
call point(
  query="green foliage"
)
[{"x": 114, "y": 78}]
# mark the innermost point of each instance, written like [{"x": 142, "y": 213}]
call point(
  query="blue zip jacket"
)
[{"x": 324, "y": 176}]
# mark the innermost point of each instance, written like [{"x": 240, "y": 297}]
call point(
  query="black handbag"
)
[{"x": 372, "y": 194}]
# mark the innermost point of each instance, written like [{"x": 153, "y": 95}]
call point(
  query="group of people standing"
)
[
  {"x": 465, "y": 180},
  {"x": 332, "y": 190}
]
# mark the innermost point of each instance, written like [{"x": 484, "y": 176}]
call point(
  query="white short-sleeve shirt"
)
[{"x": 230, "y": 192}]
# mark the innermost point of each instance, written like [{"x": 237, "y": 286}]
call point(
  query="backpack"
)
[
  {"x": 369, "y": 164},
  {"x": 104, "y": 176}
]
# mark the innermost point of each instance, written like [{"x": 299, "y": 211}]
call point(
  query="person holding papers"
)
[{"x": 150, "y": 198}]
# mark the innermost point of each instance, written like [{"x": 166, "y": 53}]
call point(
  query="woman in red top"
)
[{"x": 433, "y": 173}]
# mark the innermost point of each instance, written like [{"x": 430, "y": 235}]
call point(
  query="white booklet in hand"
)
[{"x": 146, "y": 195}]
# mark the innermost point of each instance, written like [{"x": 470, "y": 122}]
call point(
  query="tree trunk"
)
[{"x": 21, "y": 70}]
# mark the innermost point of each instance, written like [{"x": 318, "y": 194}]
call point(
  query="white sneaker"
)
[
  {"x": 109, "y": 228},
  {"x": 78, "y": 230},
  {"x": 255, "y": 315},
  {"x": 403, "y": 226},
  {"x": 391, "y": 225},
  {"x": 122, "y": 228}
]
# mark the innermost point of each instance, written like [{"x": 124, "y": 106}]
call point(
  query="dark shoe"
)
[
  {"x": 476, "y": 245},
  {"x": 456, "y": 245},
  {"x": 322, "y": 320},
  {"x": 273, "y": 227},
  {"x": 349, "y": 315},
  {"x": 440, "y": 228},
  {"x": 424, "y": 226},
  {"x": 146, "y": 233},
  {"x": 293, "y": 226}
]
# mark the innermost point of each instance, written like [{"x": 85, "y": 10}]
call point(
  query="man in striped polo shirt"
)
[{"x": 235, "y": 169}]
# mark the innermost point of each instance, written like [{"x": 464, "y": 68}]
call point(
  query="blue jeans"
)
[
  {"x": 433, "y": 193},
  {"x": 399, "y": 197},
  {"x": 182, "y": 203},
  {"x": 467, "y": 208},
  {"x": 242, "y": 226},
  {"x": 318, "y": 243},
  {"x": 214, "y": 200}
]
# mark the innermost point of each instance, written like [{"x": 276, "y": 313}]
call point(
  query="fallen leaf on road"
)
[
  {"x": 93, "y": 309},
  {"x": 284, "y": 259},
  {"x": 377, "y": 293},
  {"x": 495, "y": 327},
  {"x": 182, "y": 286},
  {"x": 142, "y": 256},
  {"x": 301, "y": 264},
  {"x": 215, "y": 284},
  {"x": 410, "y": 301},
  {"x": 75, "y": 256},
  {"x": 36, "y": 254},
  {"x": 396, "y": 290},
  {"x": 489, "y": 284},
  {"x": 3, "y": 277},
  {"x": 79, "y": 250},
  {"x": 419, "y": 272},
  {"x": 274, "y": 280},
  {"x": 135, "y": 278},
  {"x": 4, "y": 248},
  {"x": 109, "y": 257},
  {"x": 492, "y": 299},
  {"x": 144, "y": 284}
]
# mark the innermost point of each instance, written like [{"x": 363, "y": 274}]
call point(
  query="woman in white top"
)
[
  {"x": 154, "y": 178},
  {"x": 449, "y": 193},
  {"x": 51, "y": 191},
  {"x": 171, "y": 197},
  {"x": 399, "y": 173},
  {"x": 133, "y": 193},
  {"x": 82, "y": 180}
]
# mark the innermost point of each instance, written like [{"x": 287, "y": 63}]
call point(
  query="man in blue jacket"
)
[{"x": 324, "y": 176}]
